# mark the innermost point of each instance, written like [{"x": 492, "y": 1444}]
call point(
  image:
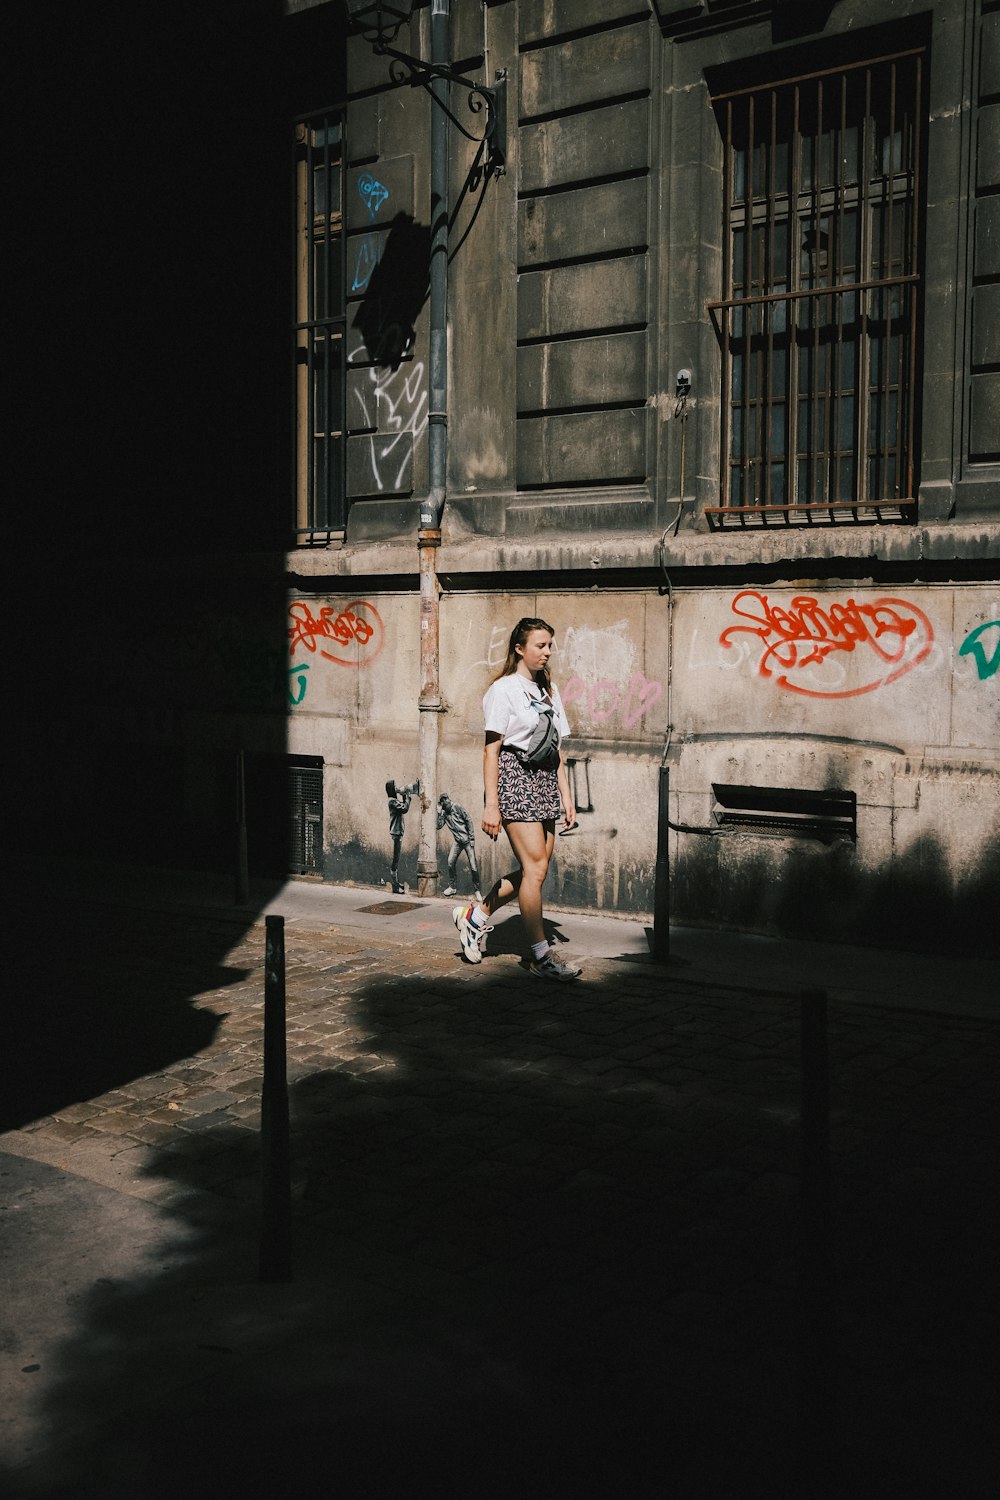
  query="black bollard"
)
[
  {"x": 816, "y": 1385},
  {"x": 661, "y": 897},
  {"x": 275, "y": 1158}
]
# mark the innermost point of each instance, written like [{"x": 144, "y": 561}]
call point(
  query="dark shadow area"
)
[
  {"x": 549, "y": 1245},
  {"x": 151, "y": 430},
  {"x": 149, "y": 506},
  {"x": 104, "y": 999},
  {"x": 397, "y": 290},
  {"x": 804, "y": 18},
  {"x": 825, "y": 894}
]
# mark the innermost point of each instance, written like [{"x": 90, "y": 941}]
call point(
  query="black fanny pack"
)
[{"x": 542, "y": 751}]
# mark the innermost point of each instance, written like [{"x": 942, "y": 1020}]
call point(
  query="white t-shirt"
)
[{"x": 510, "y": 709}]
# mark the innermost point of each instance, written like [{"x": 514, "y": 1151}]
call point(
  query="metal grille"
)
[
  {"x": 786, "y": 811},
  {"x": 320, "y": 330},
  {"x": 818, "y": 324},
  {"x": 305, "y": 841}
]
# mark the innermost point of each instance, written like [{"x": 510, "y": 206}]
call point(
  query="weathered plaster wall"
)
[{"x": 890, "y": 695}]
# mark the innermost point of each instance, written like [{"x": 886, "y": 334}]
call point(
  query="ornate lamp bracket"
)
[{"x": 404, "y": 69}]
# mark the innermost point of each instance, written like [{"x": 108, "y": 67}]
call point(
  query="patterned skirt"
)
[{"x": 526, "y": 793}]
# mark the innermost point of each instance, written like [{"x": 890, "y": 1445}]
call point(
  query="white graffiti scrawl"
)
[{"x": 395, "y": 403}]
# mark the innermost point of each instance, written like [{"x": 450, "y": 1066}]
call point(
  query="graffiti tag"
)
[
  {"x": 606, "y": 698},
  {"x": 358, "y": 625},
  {"x": 373, "y": 193},
  {"x": 400, "y": 416},
  {"x": 365, "y": 262},
  {"x": 297, "y": 683},
  {"x": 975, "y": 646},
  {"x": 807, "y": 636}
]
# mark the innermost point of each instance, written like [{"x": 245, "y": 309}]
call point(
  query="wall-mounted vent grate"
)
[
  {"x": 786, "y": 811},
  {"x": 305, "y": 812}
]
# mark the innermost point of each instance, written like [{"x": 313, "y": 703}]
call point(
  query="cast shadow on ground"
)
[
  {"x": 77, "y": 1026},
  {"x": 527, "y": 1264},
  {"x": 508, "y": 936}
]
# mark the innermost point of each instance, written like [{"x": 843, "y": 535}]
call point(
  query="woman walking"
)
[{"x": 523, "y": 799}]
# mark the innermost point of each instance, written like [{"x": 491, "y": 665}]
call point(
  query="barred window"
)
[
  {"x": 320, "y": 342},
  {"x": 818, "y": 324}
]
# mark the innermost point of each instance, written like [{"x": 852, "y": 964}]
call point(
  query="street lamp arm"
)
[{"x": 406, "y": 69}]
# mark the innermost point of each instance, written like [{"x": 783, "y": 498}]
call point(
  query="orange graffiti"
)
[
  {"x": 808, "y": 634},
  {"x": 358, "y": 622}
]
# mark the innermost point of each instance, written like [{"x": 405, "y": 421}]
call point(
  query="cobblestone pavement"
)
[{"x": 547, "y": 1239}]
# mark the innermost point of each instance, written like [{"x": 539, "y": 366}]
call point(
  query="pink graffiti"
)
[
  {"x": 359, "y": 622},
  {"x": 605, "y": 698},
  {"x": 807, "y": 634}
]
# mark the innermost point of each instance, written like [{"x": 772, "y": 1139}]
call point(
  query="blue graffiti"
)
[
  {"x": 974, "y": 646},
  {"x": 365, "y": 263},
  {"x": 373, "y": 192}
]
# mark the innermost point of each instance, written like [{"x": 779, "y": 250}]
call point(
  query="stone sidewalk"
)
[{"x": 547, "y": 1239}]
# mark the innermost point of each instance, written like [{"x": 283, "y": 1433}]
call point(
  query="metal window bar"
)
[
  {"x": 835, "y": 347},
  {"x": 320, "y": 328}
]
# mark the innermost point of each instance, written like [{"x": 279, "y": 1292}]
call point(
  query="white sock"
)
[
  {"x": 478, "y": 917},
  {"x": 540, "y": 949}
]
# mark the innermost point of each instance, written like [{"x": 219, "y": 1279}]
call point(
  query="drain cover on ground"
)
[{"x": 390, "y": 908}]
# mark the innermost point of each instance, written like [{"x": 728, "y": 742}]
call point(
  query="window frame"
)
[
  {"x": 768, "y": 314},
  {"x": 320, "y": 326}
]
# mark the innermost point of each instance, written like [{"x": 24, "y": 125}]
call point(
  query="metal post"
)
[
  {"x": 429, "y": 535},
  {"x": 437, "y": 416},
  {"x": 816, "y": 1285},
  {"x": 242, "y": 865},
  {"x": 661, "y": 899},
  {"x": 275, "y": 1160},
  {"x": 430, "y": 707}
]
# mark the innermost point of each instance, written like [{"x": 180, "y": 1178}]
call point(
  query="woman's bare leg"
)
[
  {"x": 533, "y": 844},
  {"x": 501, "y": 892}
]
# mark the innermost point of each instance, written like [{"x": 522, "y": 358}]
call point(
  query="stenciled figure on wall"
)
[
  {"x": 399, "y": 806},
  {"x": 463, "y": 840}
]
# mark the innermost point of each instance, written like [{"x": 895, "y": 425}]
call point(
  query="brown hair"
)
[{"x": 519, "y": 637}]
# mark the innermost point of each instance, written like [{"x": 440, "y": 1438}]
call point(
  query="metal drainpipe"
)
[{"x": 429, "y": 533}]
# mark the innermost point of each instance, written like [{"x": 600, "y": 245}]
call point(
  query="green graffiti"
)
[
  {"x": 297, "y": 683},
  {"x": 973, "y": 645}
]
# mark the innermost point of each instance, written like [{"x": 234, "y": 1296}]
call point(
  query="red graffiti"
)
[
  {"x": 808, "y": 634},
  {"x": 359, "y": 622},
  {"x": 606, "y": 698}
]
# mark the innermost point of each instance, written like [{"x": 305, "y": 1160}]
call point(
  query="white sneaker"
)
[
  {"x": 450, "y": 890},
  {"x": 473, "y": 938},
  {"x": 551, "y": 968}
]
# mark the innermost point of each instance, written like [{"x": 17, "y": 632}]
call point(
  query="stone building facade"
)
[{"x": 723, "y": 405}]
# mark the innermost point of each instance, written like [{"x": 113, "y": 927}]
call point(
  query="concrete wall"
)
[{"x": 891, "y": 695}]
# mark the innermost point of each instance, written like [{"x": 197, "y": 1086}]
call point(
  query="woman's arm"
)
[
  {"x": 562, "y": 777},
  {"x": 491, "y": 778}
]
